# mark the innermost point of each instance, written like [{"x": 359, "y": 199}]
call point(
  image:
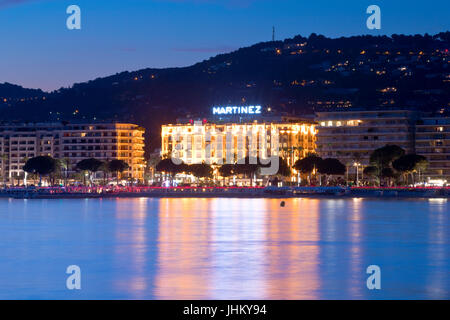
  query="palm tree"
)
[
  {"x": 90, "y": 165},
  {"x": 409, "y": 164},
  {"x": 41, "y": 165},
  {"x": 331, "y": 166},
  {"x": 200, "y": 170},
  {"x": 308, "y": 165},
  {"x": 64, "y": 165},
  {"x": 372, "y": 172},
  {"x": 246, "y": 168},
  {"x": 383, "y": 157},
  {"x": 290, "y": 153},
  {"x": 118, "y": 166},
  {"x": 106, "y": 170},
  {"x": 152, "y": 161},
  {"x": 226, "y": 170}
]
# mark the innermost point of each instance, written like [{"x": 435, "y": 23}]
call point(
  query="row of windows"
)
[
  {"x": 362, "y": 138},
  {"x": 77, "y": 141},
  {"x": 89, "y": 148},
  {"x": 89, "y": 154},
  {"x": 90, "y": 134}
]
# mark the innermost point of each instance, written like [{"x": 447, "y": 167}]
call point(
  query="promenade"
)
[{"x": 222, "y": 192}]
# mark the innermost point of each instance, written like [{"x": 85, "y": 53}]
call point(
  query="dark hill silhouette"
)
[
  {"x": 15, "y": 92},
  {"x": 298, "y": 75}
]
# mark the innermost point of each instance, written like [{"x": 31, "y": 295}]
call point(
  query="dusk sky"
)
[{"x": 38, "y": 51}]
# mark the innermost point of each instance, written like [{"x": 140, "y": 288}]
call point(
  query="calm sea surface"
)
[{"x": 224, "y": 248}]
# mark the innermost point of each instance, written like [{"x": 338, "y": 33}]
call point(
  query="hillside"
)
[
  {"x": 298, "y": 75},
  {"x": 11, "y": 94}
]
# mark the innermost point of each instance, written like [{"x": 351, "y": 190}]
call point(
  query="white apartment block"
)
[
  {"x": 74, "y": 142},
  {"x": 351, "y": 136},
  {"x": 433, "y": 142}
]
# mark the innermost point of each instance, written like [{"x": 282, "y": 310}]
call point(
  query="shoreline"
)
[{"x": 232, "y": 192}]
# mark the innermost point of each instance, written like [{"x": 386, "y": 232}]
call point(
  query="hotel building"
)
[
  {"x": 74, "y": 142},
  {"x": 351, "y": 136},
  {"x": 212, "y": 142},
  {"x": 433, "y": 142}
]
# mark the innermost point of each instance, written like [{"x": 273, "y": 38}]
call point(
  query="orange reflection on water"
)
[
  {"x": 238, "y": 256},
  {"x": 292, "y": 257},
  {"x": 132, "y": 231},
  {"x": 235, "y": 248},
  {"x": 438, "y": 208},
  {"x": 355, "y": 235},
  {"x": 183, "y": 249}
]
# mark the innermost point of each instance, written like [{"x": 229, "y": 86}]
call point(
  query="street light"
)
[{"x": 357, "y": 164}]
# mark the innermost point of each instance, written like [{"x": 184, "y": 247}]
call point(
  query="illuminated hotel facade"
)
[
  {"x": 74, "y": 142},
  {"x": 225, "y": 141}
]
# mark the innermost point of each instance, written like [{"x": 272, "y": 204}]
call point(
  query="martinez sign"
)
[{"x": 237, "y": 110}]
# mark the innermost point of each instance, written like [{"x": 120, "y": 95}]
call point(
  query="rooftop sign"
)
[{"x": 237, "y": 110}]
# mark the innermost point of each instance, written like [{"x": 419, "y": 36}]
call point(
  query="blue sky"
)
[{"x": 38, "y": 51}]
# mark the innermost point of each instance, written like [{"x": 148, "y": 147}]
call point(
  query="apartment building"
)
[
  {"x": 351, "y": 136},
  {"x": 433, "y": 142},
  {"x": 75, "y": 142}
]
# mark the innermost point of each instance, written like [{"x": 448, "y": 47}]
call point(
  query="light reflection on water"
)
[{"x": 225, "y": 248}]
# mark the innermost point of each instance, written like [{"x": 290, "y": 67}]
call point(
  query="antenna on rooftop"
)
[{"x": 273, "y": 33}]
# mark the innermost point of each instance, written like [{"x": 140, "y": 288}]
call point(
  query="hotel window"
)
[{"x": 330, "y": 123}]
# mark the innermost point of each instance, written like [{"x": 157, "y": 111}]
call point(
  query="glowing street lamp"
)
[{"x": 357, "y": 164}]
